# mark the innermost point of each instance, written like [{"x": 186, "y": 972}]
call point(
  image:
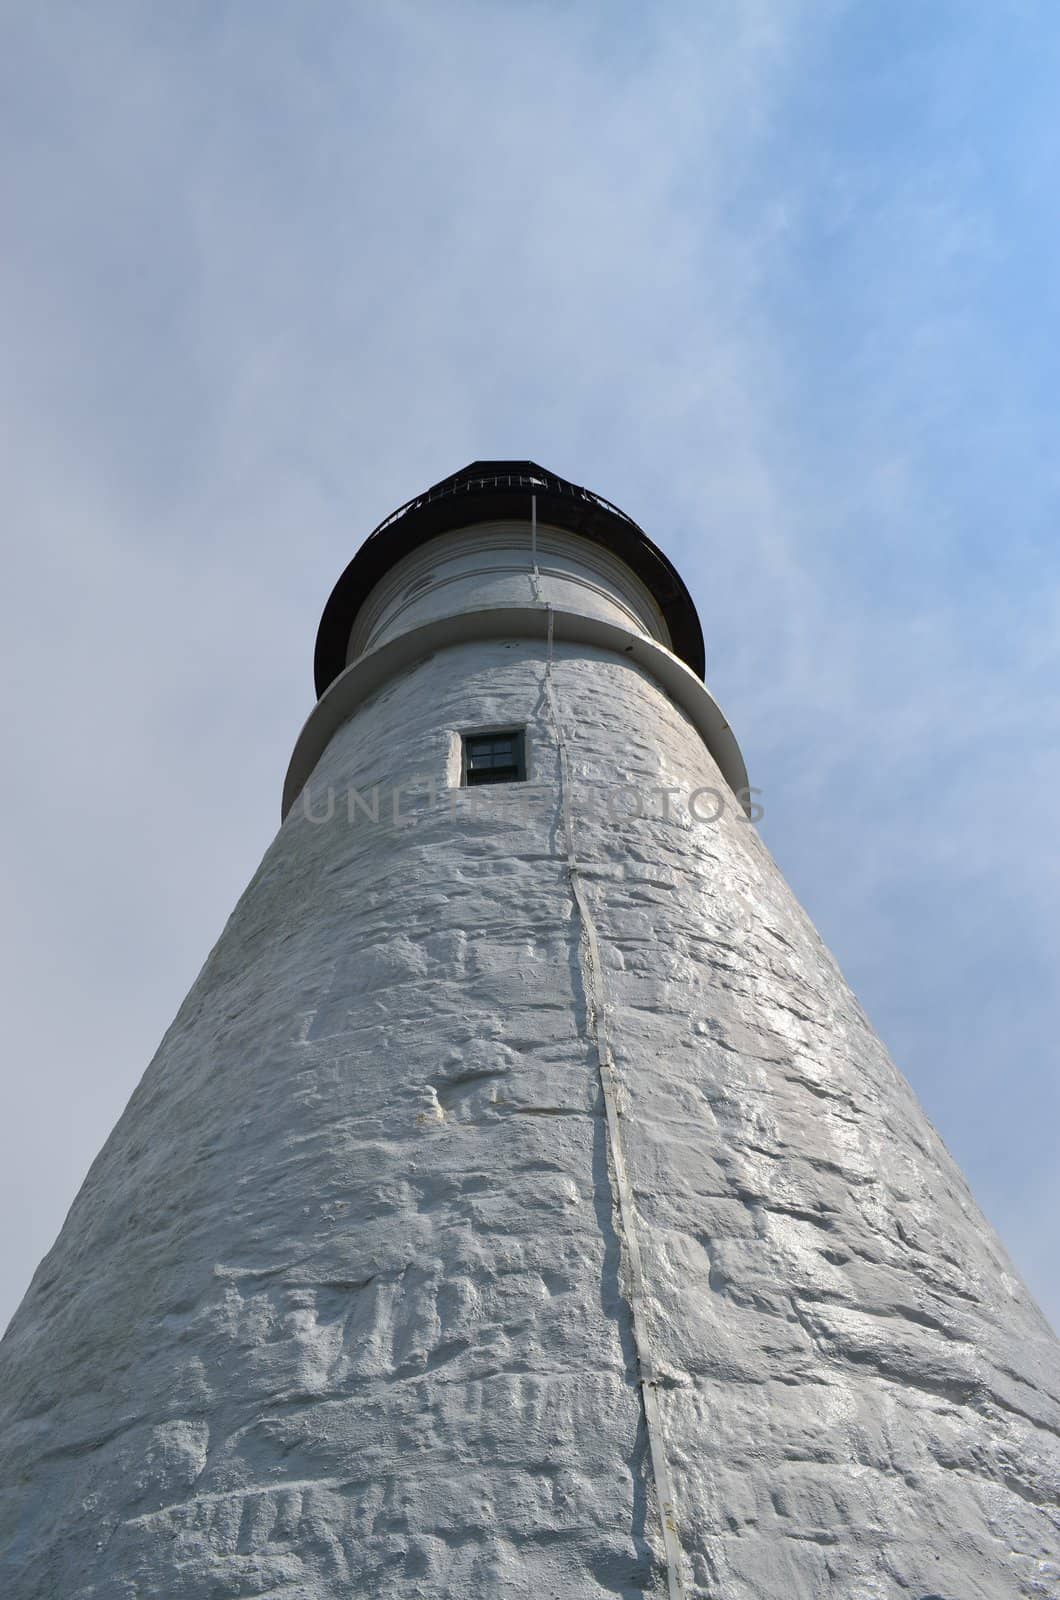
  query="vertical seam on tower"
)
[
  {"x": 535, "y": 571},
  {"x": 595, "y": 996}
]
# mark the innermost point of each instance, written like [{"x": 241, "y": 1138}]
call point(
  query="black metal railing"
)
[{"x": 525, "y": 481}]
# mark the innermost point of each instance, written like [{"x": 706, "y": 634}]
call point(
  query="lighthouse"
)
[{"x": 520, "y": 1204}]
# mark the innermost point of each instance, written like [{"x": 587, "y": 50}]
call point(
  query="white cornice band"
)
[{"x": 372, "y": 670}]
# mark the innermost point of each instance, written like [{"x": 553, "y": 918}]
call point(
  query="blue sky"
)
[{"x": 779, "y": 279}]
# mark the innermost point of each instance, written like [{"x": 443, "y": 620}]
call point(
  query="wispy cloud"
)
[{"x": 771, "y": 276}]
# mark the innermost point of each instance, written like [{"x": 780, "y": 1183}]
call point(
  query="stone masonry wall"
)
[{"x": 341, "y": 1309}]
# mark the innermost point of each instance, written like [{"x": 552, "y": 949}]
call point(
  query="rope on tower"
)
[{"x": 599, "y": 1032}]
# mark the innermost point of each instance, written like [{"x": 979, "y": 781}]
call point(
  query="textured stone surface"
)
[{"x": 340, "y": 1310}]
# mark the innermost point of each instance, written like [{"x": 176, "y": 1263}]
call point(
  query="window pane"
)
[{"x": 494, "y": 757}]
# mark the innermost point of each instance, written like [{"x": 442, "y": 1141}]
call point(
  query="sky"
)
[{"x": 780, "y": 279}]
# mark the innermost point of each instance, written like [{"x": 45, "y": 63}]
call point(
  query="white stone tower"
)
[{"x": 520, "y": 1204}]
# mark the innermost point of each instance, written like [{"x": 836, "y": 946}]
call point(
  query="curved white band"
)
[{"x": 370, "y": 671}]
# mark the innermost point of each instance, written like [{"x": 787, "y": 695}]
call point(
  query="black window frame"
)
[{"x": 474, "y": 776}]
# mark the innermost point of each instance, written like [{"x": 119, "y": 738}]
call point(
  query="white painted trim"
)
[
  {"x": 499, "y": 570},
  {"x": 372, "y": 670},
  {"x": 504, "y": 550}
]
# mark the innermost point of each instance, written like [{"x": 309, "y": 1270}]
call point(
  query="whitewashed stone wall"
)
[{"x": 341, "y": 1308}]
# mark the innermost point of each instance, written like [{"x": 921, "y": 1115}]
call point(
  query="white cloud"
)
[{"x": 275, "y": 272}]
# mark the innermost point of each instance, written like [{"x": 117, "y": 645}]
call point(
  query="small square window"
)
[{"x": 494, "y": 757}]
